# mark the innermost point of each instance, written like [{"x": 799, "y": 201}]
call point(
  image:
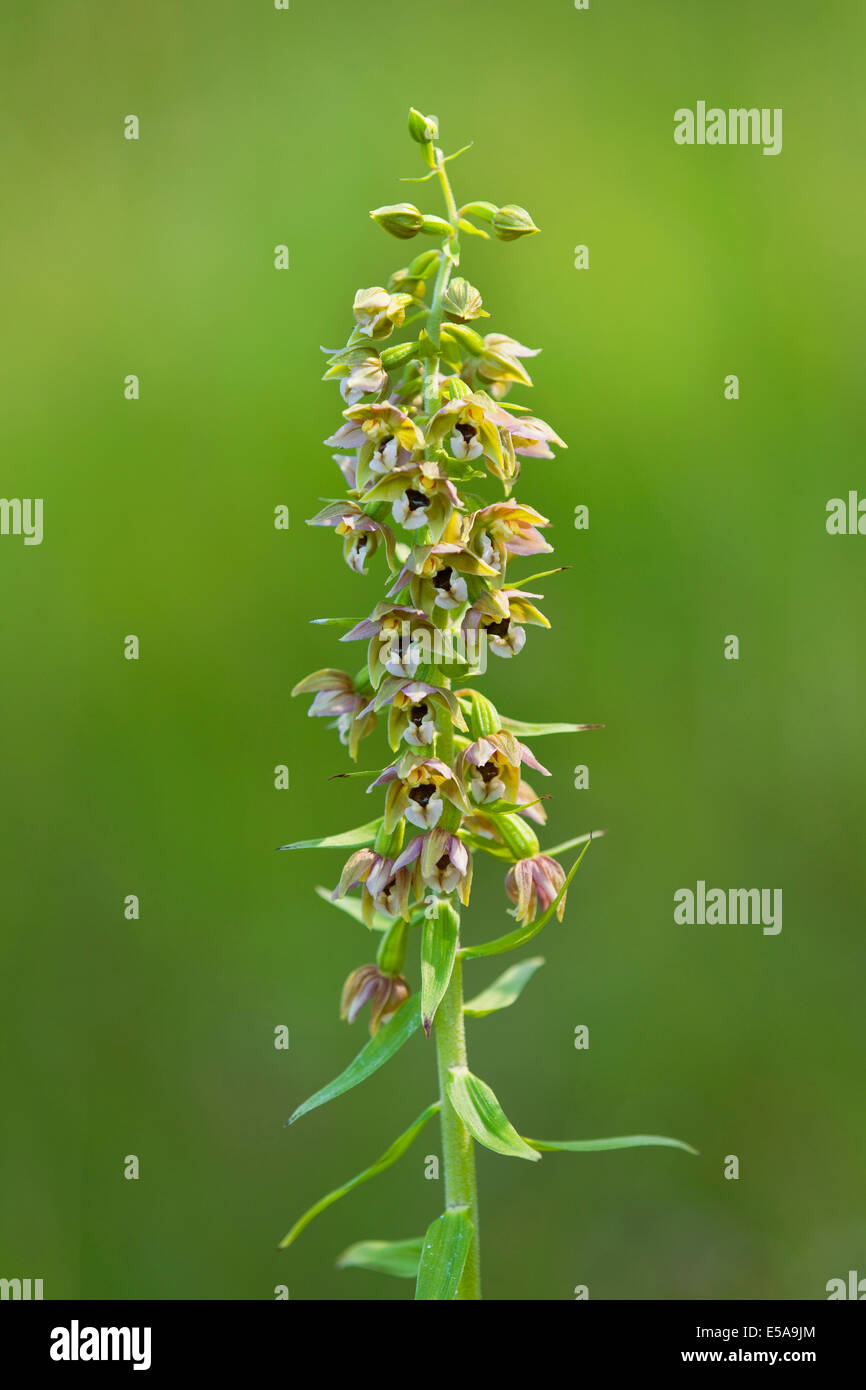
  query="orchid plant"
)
[{"x": 424, "y": 426}]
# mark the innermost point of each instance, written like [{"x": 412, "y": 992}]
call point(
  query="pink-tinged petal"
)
[
  {"x": 528, "y": 757},
  {"x": 347, "y": 437},
  {"x": 388, "y": 775},
  {"x": 410, "y": 853},
  {"x": 480, "y": 752},
  {"x": 458, "y": 854},
  {"x": 366, "y": 628},
  {"x": 401, "y": 581},
  {"x": 530, "y": 542},
  {"x": 326, "y": 702}
]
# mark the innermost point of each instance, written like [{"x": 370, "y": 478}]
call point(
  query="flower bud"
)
[
  {"x": 466, "y": 337},
  {"x": 512, "y": 222},
  {"x": 424, "y": 264},
  {"x": 436, "y": 226},
  {"x": 485, "y": 212},
  {"x": 401, "y": 352},
  {"x": 400, "y": 219},
  {"x": 370, "y": 985},
  {"x": 455, "y": 387},
  {"x": 462, "y": 301},
  {"x": 422, "y": 128}
]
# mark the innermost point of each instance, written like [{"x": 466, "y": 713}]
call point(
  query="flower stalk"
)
[{"x": 424, "y": 434}]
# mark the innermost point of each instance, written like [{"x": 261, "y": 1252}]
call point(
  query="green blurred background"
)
[{"x": 707, "y": 516}]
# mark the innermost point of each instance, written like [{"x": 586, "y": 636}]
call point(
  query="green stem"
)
[
  {"x": 458, "y": 1149},
  {"x": 434, "y": 318}
]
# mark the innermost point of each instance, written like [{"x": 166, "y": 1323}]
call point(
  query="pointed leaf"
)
[
  {"x": 513, "y": 939},
  {"x": 484, "y": 1117},
  {"x": 508, "y": 987},
  {"x": 391, "y": 1154},
  {"x": 573, "y": 843},
  {"x": 438, "y": 949},
  {"x": 398, "y": 1257},
  {"x": 348, "y": 839},
  {"x": 443, "y": 1255},
  {"x": 625, "y": 1141},
  {"x": 373, "y": 1055},
  {"x": 530, "y": 730}
]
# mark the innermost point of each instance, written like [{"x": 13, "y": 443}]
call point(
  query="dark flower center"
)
[
  {"x": 443, "y": 578},
  {"x": 443, "y": 863},
  {"x": 488, "y": 772},
  {"x": 416, "y": 499},
  {"x": 468, "y": 431},
  {"x": 418, "y": 714},
  {"x": 423, "y": 793},
  {"x": 499, "y": 629}
]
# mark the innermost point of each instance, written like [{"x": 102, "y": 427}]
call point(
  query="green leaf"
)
[
  {"x": 508, "y": 987},
  {"x": 398, "y": 1257},
  {"x": 438, "y": 949},
  {"x": 572, "y": 844},
  {"x": 484, "y": 1117},
  {"x": 373, "y": 1055},
  {"x": 349, "y": 839},
  {"x": 625, "y": 1141},
  {"x": 513, "y": 939},
  {"x": 396, "y": 1150},
  {"x": 529, "y": 730},
  {"x": 352, "y": 907},
  {"x": 443, "y": 1255}
]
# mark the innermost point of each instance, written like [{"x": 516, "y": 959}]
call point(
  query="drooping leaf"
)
[
  {"x": 373, "y": 1055},
  {"x": 391, "y": 1154},
  {"x": 530, "y": 730},
  {"x": 625, "y": 1141},
  {"x": 352, "y": 907},
  {"x": 398, "y": 1257},
  {"x": 484, "y": 1117},
  {"x": 521, "y": 935},
  {"x": 438, "y": 949},
  {"x": 348, "y": 839},
  {"x": 443, "y": 1255},
  {"x": 508, "y": 987}
]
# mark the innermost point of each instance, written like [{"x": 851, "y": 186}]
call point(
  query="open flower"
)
[
  {"x": 475, "y": 427},
  {"x": 507, "y": 528},
  {"x": 336, "y": 696},
  {"x": 385, "y": 435},
  {"x": 418, "y": 788},
  {"x": 501, "y": 614},
  {"x": 491, "y": 767},
  {"x": 420, "y": 493},
  {"x": 499, "y": 363},
  {"x": 442, "y": 861},
  {"x": 532, "y": 885},
  {"x": 360, "y": 532},
  {"x": 359, "y": 370},
  {"x": 414, "y": 710},
  {"x": 384, "y": 887},
  {"x": 370, "y": 985},
  {"x": 399, "y": 640},
  {"x": 436, "y": 574}
]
